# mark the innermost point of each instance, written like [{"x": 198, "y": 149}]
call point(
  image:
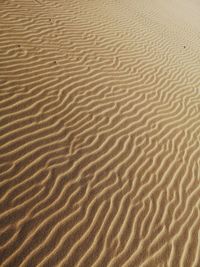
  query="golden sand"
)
[{"x": 100, "y": 133}]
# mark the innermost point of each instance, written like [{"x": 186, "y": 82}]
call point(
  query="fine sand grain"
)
[{"x": 100, "y": 133}]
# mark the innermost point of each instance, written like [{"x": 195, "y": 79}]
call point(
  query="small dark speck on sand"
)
[{"x": 184, "y": 46}]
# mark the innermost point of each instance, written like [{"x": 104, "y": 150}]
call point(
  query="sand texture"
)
[{"x": 100, "y": 133}]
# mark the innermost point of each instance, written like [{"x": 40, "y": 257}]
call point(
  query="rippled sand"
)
[{"x": 100, "y": 133}]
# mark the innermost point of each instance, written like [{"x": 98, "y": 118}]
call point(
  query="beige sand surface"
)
[{"x": 100, "y": 133}]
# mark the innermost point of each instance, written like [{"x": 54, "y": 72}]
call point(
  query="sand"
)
[{"x": 100, "y": 133}]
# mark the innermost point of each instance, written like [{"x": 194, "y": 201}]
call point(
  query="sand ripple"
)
[{"x": 99, "y": 133}]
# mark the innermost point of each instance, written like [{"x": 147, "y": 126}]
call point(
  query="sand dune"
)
[{"x": 100, "y": 133}]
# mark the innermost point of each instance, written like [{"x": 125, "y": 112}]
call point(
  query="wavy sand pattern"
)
[{"x": 100, "y": 133}]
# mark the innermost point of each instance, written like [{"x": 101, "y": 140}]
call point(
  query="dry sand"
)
[{"x": 100, "y": 133}]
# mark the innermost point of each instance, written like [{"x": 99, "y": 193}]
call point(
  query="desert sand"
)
[{"x": 100, "y": 133}]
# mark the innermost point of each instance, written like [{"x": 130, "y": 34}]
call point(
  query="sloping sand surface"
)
[{"x": 100, "y": 133}]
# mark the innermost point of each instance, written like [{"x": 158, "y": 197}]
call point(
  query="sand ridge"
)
[{"x": 99, "y": 133}]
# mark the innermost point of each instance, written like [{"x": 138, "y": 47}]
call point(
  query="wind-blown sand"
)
[{"x": 100, "y": 133}]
